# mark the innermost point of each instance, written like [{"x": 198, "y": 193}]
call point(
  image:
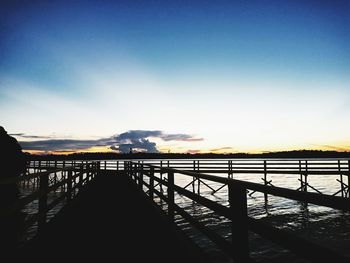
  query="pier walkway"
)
[
  {"x": 109, "y": 210},
  {"x": 112, "y": 221}
]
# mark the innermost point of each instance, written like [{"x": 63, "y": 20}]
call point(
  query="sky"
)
[{"x": 175, "y": 76}]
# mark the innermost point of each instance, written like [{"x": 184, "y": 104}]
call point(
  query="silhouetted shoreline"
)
[{"x": 106, "y": 156}]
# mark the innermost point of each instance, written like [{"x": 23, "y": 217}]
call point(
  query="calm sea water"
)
[{"x": 322, "y": 225}]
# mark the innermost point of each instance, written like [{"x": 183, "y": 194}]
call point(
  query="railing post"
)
[
  {"x": 341, "y": 179},
  {"x": 55, "y": 176},
  {"x": 63, "y": 174},
  {"x": 134, "y": 171},
  {"x": 43, "y": 187},
  {"x": 193, "y": 178},
  {"x": 125, "y": 168},
  {"x": 140, "y": 168},
  {"x": 161, "y": 176},
  {"x": 171, "y": 200},
  {"x": 97, "y": 170},
  {"x": 306, "y": 174},
  {"x": 348, "y": 178},
  {"x": 239, "y": 225},
  {"x": 301, "y": 177},
  {"x": 92, "y": 170},
  {"x": 230, "y": 173},
  {"x": 69, "y": 185},
  {"x": 81, "y": 173},
  {"x": 151, "y": 183},
  {"x": 265, "y": 180}
]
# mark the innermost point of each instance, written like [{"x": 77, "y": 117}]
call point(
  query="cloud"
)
[
  {"x": 26, "y": 136},
  {"x": 63, "y": 144},
  {"x": 138, "y": 134},
  {"x": 143, "y": 145},
  {"x": 180, "y": 137},
  {"x": 137, "y": 140}
]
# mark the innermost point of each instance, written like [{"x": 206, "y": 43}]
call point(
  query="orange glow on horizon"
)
[
  {"x": 219, "y": 150},
  {"x": 95, "y": 149}
]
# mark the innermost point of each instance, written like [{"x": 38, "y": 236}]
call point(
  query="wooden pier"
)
[
  {"x": 108, "y": 209},
  {"x": 111, "y": 221}
]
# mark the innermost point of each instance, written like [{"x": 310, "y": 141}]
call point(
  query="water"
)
[{"x": 326, "y": 226}]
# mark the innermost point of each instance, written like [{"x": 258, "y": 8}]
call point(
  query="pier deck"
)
[{"x": 111, "y": 220}]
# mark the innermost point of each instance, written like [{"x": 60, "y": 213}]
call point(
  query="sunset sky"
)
[{"x": 178, "y": 76}]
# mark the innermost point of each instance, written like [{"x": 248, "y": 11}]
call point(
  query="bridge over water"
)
[{"x": 127, "y": 208}]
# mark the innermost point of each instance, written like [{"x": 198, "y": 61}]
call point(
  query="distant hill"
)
[{"x": 108, "y": 156}]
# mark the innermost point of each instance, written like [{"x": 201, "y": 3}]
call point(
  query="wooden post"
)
[
  {"x": 134, "y": 171},
  {"x": 239, "y": 225},
  {"x": 301, "y": 177},
  {"x": 348, "y": 192},
  {"x": 265, "y": 181},
  {"x": 89, "y": 171},
  {"x": 171, "y": 200},
  {"x": 140, "y": 175},
  {"x": 193, "y": 178},
  {"x": 348, "y": 178},
  {"x": 44, "y": 184},
  {"x": 131, "y": 170},
  {"x": 341, "y": 179},
  {"x": 81, "y": 173},
  {"x": 69, "y": 185},
  {"x": 161, "y": 176},
  {"x": 98, "y": 172},
  {"x": 198, "y": 179},
  {"x": 55, "y": 174},
  {"x": 228, "y": 169},
  {"x": 151, "y": 183},
  {"x": 63, "y": 176},
  {"x": 306, "y": 174},
  {"x": 117, "y": 165},
  {"x": 93, "y": 170},
  {"x": 126, "y": 168}
]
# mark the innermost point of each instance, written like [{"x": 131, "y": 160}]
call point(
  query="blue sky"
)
[{"x": 240, "y": 75}]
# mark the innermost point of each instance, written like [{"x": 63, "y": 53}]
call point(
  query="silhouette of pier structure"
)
[{"x": 108, "y": 210}]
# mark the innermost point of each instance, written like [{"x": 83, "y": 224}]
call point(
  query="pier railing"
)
[
  {"x": 302, "y": 169},
  {"x": 49, "y": 186},
  {"x": 145, "y": 175}
]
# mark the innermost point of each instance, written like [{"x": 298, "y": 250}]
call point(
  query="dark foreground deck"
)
[{"x": 112, "y": 221}]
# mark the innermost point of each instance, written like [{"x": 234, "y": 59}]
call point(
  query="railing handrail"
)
[
  {"x": 18, "y": 179},
  {"x": 314, "y": 198},
  {"x": 237, "y": 211}
]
